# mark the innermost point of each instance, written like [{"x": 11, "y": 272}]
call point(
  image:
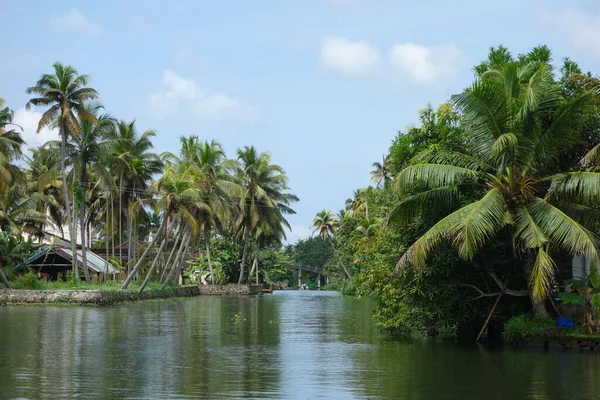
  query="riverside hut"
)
[{"x": 53, "y": 261}]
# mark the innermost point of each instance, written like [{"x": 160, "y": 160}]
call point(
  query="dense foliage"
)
[
  {"x": 475, "y": 208},
  {"x": 152, "y": 214}
]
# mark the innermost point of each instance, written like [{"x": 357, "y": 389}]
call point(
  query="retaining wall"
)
[
  {"x": 93, "y": 297},
  {"x": 230, "y": 290},
  {"x": 104, "y": 297}
]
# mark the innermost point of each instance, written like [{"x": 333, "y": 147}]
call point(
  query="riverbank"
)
[{"x": 107, "y": 297}]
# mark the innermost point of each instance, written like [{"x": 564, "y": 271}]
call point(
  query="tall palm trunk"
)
[
  {"x": 144, "y": 255},
  {"x": 121, "y": 220},
  {"x": 340, "y": 259},
  {"x": 151, "y": 270},
  {"x": 105, "y": 275},
  {"x": 86, "y": 271},
  {"x": 129, "y": 237},
  {"x": 244, "y": 254},
  {"x": 70, "y": 219},
  {"x": 3, "y": 280},
  {"x": 175, "y": 266},
  {"x": 207, "y": 247},
  {"x": 112, "y": 224},
  {"x": 254, "y": 268},
  {"x": 168, "y": 263}
]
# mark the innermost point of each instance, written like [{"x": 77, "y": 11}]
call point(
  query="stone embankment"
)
[{"x": 105, "y": 297}]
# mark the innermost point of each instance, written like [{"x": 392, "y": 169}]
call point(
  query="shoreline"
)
[{"x": 16, "y": 297}]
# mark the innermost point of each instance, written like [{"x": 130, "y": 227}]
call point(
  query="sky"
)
[{"x": 322, "y": 85}]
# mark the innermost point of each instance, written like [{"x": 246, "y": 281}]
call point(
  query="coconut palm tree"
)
[
  {"x": 179, "y": 198},
  {"x": 19, "y": 211},
  {"x": 264, "y": 195},
  {"x": 381, "y": 174},
  {"x": 517, "y": 123},
  {"x": 220, "y": 191},
  {"x": 325, "y": 224},
  {"x": 64, "y": 92},
  {"x": 86, "y": 152},
  {"x": 132, "y": 164},
  {"x": 358, "y": 203},
  {"x": 10, "y": 146}
]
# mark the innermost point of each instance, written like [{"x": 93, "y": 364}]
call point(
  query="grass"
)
[
  {"x": 31, "y": 281},
  {"x": 522, "y": 329}
]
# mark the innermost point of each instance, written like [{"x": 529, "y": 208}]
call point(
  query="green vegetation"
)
[
  {"x": 30, "y": 280},
  {"x": 477, "y": 207},
  {"x": 151, "y": 214}
]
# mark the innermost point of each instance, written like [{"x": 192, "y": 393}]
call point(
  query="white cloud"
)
[
  {"x": 352, "y": 58},
  {"x": 582, "y": 29},
  {"x": 180, "y": 94},
  {"x": 28, "y": 120},
  {"x": 298, "y": 232},
  {"x": 75, "y": 20},
  {"x": 425, "y": 65}
]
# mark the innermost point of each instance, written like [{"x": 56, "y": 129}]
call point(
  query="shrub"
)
[
  {"x": 522, "y": 328},
  {"x": 29, "y": 280}
]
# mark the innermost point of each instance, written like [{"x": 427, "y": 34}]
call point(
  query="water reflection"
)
[{"x": 290, "y": 345}]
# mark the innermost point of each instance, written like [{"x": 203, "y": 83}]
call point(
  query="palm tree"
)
[
  {"x": 10, "y": 146},
  {"x": 43, "y": 177},
  {"x": 381, "y": 174},
  {"x": 325, "y": 224},
  {"x": 178, "y": 196},
  {"x": 517, "y": 123},
  {"x": 86, "y": 151},
  {"x": 19, "y": 211},
  {"x": 64, "y": 92},
  {"x": 357, "y": 204},
  {"x": 264, "y": 195},
  {"x": 132, "y": 166},
  {"x": 219, "y": 188}
]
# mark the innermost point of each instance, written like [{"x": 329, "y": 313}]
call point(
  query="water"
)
[{"x": 289, "y": 345}]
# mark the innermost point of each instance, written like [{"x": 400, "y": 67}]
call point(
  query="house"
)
[{"x": 53, "y": 261}]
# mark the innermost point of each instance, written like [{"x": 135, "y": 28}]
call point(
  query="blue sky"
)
[{"x": 323, "y": 85}]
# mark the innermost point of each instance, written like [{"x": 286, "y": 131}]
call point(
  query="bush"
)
[
  {"x": 29, "y": 280},
  {"x": 333, "y": 286},
  {"x": 522, "y": 328}
]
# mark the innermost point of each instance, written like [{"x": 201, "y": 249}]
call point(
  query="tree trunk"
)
[
  {"x": 105, "y": 276},
  {"x": 63, "y": 171},
  {"x": 143, "y": 256},
  {"x": 129, "y": 237},
  {"x": 340, "y": 260},
  {"x": 151, "y": 270},
  {"x": 207, "y": 247},
  {"x": 112, "y": 224},
  {"x": 181, "y": 261},
  {"x": 184, "y": 243},
  {"x": 3, "y": 280},
  {"x": 86, "y": 271},
  {"x": 538, "y": 306},
  {"x": 121, "y": 221},
  {"x": 168, "y": 263},
  {"x": 254, "y": 268},
  {"x": 244, "y": 254}
]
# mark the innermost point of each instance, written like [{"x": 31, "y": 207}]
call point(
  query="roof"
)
[{"x": 94, "y": 262}]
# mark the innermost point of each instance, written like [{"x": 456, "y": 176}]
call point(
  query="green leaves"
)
[
  {"x": 563, "y": 231},
  {"x": 468, "y": 228},
  {"x": 542, "y": 274},
  {"x": 572, "y": 298},
  {"x": 430, "y": 176}
]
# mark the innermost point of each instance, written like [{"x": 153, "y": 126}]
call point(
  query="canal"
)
[{"x": 289, "y": 345}]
